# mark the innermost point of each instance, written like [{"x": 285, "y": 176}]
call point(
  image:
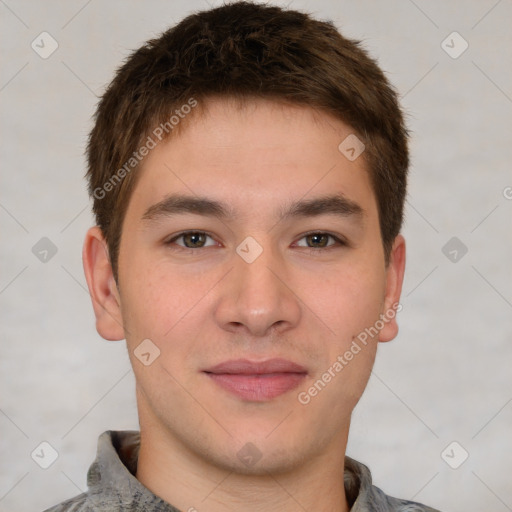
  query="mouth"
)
[{"x": 257, "y": 381}]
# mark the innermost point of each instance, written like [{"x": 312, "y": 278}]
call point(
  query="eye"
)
[
  {"x": 314, "y": 240},
  {"x": 319, "y": 240},
  {"x": 191, "y": 240}
]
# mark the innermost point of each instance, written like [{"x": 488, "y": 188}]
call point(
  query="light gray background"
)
[{"x": 447, "y": 375}]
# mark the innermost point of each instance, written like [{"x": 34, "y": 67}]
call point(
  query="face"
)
[{"x": 252, "y": 260}]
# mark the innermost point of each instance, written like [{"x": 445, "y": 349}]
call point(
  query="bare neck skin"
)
[{"x": 191, "y": 483}]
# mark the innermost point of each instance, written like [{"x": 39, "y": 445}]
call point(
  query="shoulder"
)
[
  {"x": 366, "y": 497},
  {"x": 379, "y": 501},
  {"x": 79, "y": 503}
]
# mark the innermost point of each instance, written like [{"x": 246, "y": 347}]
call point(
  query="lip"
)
[{"x": 257, "y": 381}]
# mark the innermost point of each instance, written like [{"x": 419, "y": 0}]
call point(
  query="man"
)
[{"x": 248, "y": 170}]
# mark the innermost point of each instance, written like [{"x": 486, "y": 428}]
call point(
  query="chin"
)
[
  {"x": 267, "y": 450},
  {"x": 252, "y": 461}
]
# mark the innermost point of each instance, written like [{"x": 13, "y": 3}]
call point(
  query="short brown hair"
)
[{"x": 244, "y": 50}]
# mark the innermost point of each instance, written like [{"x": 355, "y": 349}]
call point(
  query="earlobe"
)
[
  {"x": 102, "y": 286},
  {"x": 394, "y": 280}
]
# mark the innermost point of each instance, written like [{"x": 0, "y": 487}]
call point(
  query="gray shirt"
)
[{"x": 113, "y": 486}]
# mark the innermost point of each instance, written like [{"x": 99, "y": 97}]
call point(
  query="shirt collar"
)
[{"x": 111, "y": 479}]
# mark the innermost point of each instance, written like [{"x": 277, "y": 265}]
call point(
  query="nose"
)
[{"x": 257, "y": 296}]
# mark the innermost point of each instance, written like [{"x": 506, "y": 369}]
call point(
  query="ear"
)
[
  {"x": 394, "y": 279},
  {"x": 102, "y": 286}
]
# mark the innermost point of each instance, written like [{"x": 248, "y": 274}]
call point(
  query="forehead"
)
[{"x": 253, "y": 156}]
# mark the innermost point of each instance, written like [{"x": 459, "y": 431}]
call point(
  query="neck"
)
[{"x": 190, "y": 483}]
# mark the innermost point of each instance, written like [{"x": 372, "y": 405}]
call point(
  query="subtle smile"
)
[{"x": 257, "y": 381}]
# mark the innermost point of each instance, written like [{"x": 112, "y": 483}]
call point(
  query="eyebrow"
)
[{"x": 175, "y": 204}]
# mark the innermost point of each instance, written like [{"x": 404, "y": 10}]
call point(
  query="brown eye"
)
[
  {"x": 191, "y": 240},
  {"x": 320, "y": 240}
]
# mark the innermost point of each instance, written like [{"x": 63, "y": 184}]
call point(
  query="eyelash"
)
[{"x": 340, "y": 242}]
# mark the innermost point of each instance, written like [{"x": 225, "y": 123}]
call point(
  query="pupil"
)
[
  {"x": 194, "y": 238},
  {"x": 317, "y": 239}
]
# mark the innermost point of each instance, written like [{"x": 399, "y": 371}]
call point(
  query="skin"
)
[{"x": 205, "y": 305}]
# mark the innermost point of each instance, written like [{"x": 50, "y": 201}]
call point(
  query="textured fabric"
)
[{"x": 113, "y": 486}]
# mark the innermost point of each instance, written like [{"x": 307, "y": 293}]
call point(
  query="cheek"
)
[
  {"x": 151, "y": 301},
  {"x": 159, "y": 308},
  {"x": 348, "y": 300},
  {"x": 168, "y": 306}
]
